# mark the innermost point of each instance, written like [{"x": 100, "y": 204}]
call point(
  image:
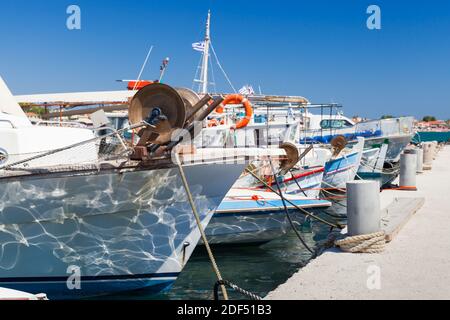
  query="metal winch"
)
[{"x": 164, "y": 110}]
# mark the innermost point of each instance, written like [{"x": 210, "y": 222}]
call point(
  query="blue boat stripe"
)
[
  {"x": 275, "y": 205},
  {"x": 92, "y": 278},
  {"x": 341, "y": 163},
  {"x": 327, "y": 173}
]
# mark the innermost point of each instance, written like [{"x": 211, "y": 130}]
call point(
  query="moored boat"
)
[
  {"x": 256, "y": 216},
  {"x": 343, "y": 167},
  {"x": 76, "y": 222}
]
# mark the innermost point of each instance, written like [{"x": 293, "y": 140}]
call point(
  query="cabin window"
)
[{"x": 335, "y": 124}]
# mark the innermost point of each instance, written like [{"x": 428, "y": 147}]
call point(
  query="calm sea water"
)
[
  {"x": 258, "y": 269},
  {"x": 432, "y": 136}
]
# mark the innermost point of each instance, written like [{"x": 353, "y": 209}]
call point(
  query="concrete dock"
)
[{"x": 414, "y": 265}]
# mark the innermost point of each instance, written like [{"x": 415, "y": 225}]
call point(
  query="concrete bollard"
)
[
  {"x": 408, "y": 168},
  {"x": 435, "y": 149},
  {"x": 419, "y": 158},
  {"x": 427, "y": 155},
  {"x": 419, "y": 155},
  {"x": 363, "y": 207}
]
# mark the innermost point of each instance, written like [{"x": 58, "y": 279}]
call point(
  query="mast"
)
[{"x": 204, "y": 78}]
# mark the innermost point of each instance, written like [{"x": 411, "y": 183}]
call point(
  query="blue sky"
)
[{"x": 318, "y": 49}]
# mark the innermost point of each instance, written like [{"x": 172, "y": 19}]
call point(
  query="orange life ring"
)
[{"x": 238, "y": 99}]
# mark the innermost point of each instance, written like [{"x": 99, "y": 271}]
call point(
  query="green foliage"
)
[
  {"x": 429, "y": 118},
  {"x": 34, "y": 109},
  {"x": 387, "y": 116}
]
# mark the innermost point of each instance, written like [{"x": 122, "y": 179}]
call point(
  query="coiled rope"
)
[
  {"x": 236, "y": 288},
  {"x": 365, "y": 243}
]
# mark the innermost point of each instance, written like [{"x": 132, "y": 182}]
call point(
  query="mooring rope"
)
[
  {"x": 199, "y": 225},
  {"x": 236, "y": 288},
  {"x": 313, "y": 253},
  {"x": 334, "y": 201},
  {"x": 336, "y": 225},
  {"x": 366, "y": 243},
  {"x": 333, "y": 187}
]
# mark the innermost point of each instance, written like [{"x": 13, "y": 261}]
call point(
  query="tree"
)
[
  {"x": 429, "y": 118},
  {"x": 387, "y": 116}
]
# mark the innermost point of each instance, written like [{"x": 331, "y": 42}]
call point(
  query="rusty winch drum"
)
[{"x": 163, "y": 107}]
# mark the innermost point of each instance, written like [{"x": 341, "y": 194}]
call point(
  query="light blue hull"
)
[
  {"x": 396, "y": 144},
  {"x": 253, "y": 221},
  {"x": 107, "y": 231},
  {"x": 341, "y": 170}
]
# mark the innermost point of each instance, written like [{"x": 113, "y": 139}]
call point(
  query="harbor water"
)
[
  {"x": 426, "y": 136},
  {"x": 257, "y": 268}
]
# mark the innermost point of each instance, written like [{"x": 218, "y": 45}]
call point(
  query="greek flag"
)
[
  {"x": 199, "y": 46},
  {"x": 246, "y": 90}
]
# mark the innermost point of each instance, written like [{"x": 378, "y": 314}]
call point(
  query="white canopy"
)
[{"x": 78, "y": 97}]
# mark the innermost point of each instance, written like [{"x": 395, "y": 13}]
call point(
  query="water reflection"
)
[{"x": 259, "y": 269}]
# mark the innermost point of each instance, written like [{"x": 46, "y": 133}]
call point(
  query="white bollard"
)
[
  {"x": 408, "y": 168},
  {"x": 419, "y": 158},
  {"x": 419, "y": 155},
  {"x": 427, "y": 155},
  {"x": 363, "y": 207},
  {"x": 435, "y": 149}
]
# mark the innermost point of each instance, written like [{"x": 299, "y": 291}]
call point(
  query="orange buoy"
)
[
  {"x": 138, "y": 85},
  {"x": 238, "y": 99}
]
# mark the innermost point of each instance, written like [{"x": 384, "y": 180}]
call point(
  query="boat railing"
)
[
  {"x": 71, "y": 124},
  {"x": 9, "y": 122},
  {"x": 92, "y": 151}
]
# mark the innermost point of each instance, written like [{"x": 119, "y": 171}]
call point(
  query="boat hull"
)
[
  {"x": 396, "y": 144},
  {"x": 341, "y": 170},
  {"x": 74, "y": 236},
  {"x": 254, "y": 221},
  {"x": 250, "y": 213}
]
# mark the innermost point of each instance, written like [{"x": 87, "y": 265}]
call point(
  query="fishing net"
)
[{"x": 103, "y": 147}]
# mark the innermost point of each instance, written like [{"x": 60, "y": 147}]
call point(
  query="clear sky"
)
[{"x": 318, "y": 49}]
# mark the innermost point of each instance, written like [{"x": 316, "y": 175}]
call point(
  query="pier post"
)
[
  {"x": 428, "y": 155},
  {"x": 419, "y": 157},
  {"x": 363, "y": 207},
  {"x": 435, "y": 149},
  {"x": 408, "y": 168}
]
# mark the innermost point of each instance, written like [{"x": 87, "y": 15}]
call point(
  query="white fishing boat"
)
[
  {"x": 257, "y": 215},
  {"x": 396, "y": 132},
  {"x": 343, "y": 167},
  {"x": 76, "y": 222},
  {"x": 372, "y": 165},
  {"x": 244, "y": 216}
]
